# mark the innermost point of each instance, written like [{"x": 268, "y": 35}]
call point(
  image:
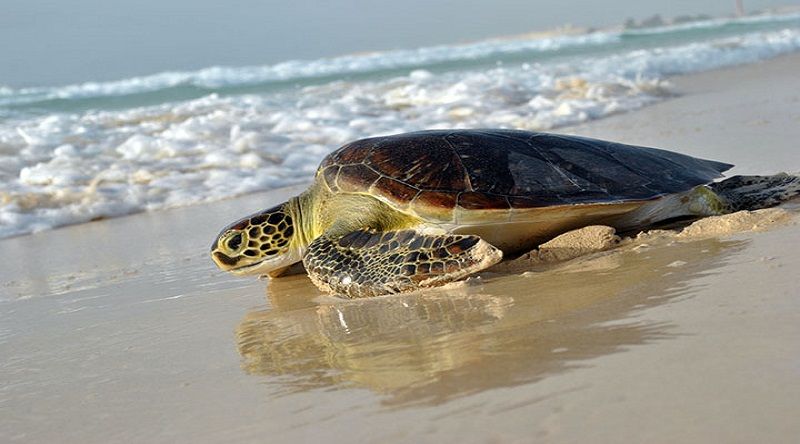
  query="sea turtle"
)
[{"x": 397, "y": 213}]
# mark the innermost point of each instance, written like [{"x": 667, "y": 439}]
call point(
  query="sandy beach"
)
[{"x": 122, "y": 330}]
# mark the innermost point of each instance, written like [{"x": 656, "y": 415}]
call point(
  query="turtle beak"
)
[
  {"x": 272, "y": 267},
  {"x": 223, "y": 261}
]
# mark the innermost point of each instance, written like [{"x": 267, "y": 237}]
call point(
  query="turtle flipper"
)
[
  {"x": 371, "y": 263},
  {"x": 754, "y": 192}
]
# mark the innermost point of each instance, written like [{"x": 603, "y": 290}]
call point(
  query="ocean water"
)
[{"x": 74, "y": 153}]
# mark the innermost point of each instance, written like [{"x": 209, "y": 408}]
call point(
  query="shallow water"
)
[{"x": 491, "y": 333}]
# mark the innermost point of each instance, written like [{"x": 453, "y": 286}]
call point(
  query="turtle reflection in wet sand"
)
[
  {"x": 399, "y": 213},
  {"x": 431, "y": 347}
]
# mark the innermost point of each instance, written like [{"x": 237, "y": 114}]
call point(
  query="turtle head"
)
[{"x": 258, "y": 244}]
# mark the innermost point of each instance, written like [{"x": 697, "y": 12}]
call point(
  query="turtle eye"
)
[
  {"x": 235, "y": 241},
  {"x": 231, "y": 242}
]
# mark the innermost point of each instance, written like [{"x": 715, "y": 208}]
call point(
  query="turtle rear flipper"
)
[
  {"x": 369, "y": 263},
  {"x": 755, "y": 192}
]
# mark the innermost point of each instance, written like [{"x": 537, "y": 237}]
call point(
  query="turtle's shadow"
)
[{"x": 498, "y": 332}]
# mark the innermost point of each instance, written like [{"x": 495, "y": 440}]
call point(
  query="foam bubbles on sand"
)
[{"x": 74, "y": 167}]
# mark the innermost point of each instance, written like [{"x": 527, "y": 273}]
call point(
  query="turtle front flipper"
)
[{"x": 371, "y": 263}]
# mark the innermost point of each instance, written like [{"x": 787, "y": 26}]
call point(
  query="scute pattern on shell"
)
[{"x": 510, "y": 169}]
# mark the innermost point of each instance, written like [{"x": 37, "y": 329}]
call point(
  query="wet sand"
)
[{"x": 122, "y": 330}]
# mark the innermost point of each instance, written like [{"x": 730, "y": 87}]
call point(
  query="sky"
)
[{"x": 61, "y": 42}]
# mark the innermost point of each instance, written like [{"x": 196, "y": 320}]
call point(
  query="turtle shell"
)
[{"x": 436, "y": 173}]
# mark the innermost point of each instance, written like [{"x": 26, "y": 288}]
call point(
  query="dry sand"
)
[{"x": 123, "y": 331}]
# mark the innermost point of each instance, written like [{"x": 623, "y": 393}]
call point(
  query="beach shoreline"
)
[{"x": 122, "y": 330}]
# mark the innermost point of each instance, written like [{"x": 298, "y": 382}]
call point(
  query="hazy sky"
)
[{"x": 67, "y": 41}]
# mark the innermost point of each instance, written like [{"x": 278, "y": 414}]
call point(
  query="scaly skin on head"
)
[
  {"x": 265, "y": 242},
  {"x": 270, "y": 241}
]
